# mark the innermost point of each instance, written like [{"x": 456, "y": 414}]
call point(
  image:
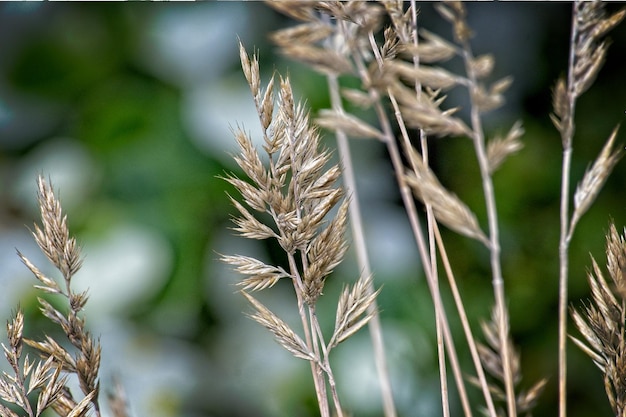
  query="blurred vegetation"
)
[{"x": 82, "y": 76}]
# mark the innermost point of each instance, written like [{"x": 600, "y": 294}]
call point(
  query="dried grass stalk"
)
[
  {"x": 593, "y": 180},
  {"x": 587, "y": 54},
  {"x": 447, "y": 207},
  {"x": 297, "y": 190},
  {"x": 602, "y": 322},
  {"x": 48, "y": 377}
]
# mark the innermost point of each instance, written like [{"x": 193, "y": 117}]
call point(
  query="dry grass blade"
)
[
  {"x": 587, "y": 54},
  {"x": 591, "y": 339},
  {"x": 15, "y": 329},
  {"x": 307, "y": 33},
  {"x": 52, "y": 313},
  {"x": 499, "y": 149},
  {"x": 49, "y": 285},
  {"x": 607, "y": 24},
  {"x": 426, "y": 114},
  {"x": 249, "y": 226},
  {"x": 286, "y": 337},
  {"x": 357, "y": 97},
  {"x": 320, "y": 59},
  {"x": 365, "y": 16},
  {"x": 10, "y": 392},
  {"x": 41, "y": 373},
  {"x": 253, "y": 197},
  {"x": 561, "y": 106},
  {"x": 447, "y": 207},
  {"x": 586, "y": 69},
  {"x": 350, "y": 125},
  {"x": 249, "y": 160},
  {"x": 352, "y": 305},
  {"x": 322, "y": 186},
  {"x": 263, "y": 100},
  {"x": 454, "y": 12},
  {"x": 7, "y": 412},
  {"x": 82, "y": 408},
  {"x": 594, "y": 178},
  {"x": 527, "y": 400},
  {"x": 88, "y": 365},
  {"x": 483, "y": 65},
  {"x": 262, "y": 276},
  {"x": 54, "y": 239},
  {"x": 65, "y": 403},
  {"x": 491, "y": 354},
  {"x": 616, "y": 260},
  {"x": 491, "y": 357},
  {"x": 297, "y": 192},
  {"x": 431, "y": 50},
  {"x": 52, "y": 348},
  {"x": 325, "y": 252},
  {"x": 433, "y": 77},
  {"x": 51, "y": 391},
  {"x": 486, "y": 100},
  {"x": 590, "y": 50}
]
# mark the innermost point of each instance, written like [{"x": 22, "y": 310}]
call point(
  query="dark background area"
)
[{"x": 128, "y": 109}]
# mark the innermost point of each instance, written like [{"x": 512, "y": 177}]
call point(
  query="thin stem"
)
[
  {"x": 358, "y": 236},
  {"x": 318, "y": 378},
  {"x": 471, "y": 341},
  {"x": 567, "y": 135},
  {"x": 431, "y": 224},
  {"x": 315, "y": 325},
  {"x": 430, "y": 216},
  {"x": 494, "y": 239},
  {"x": 563, "y": 280},
  {"x": 310, "y": 337},
  {"x": 409, "y": 204}
]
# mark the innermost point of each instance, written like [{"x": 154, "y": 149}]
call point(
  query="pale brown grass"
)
[{"x": 290, "y": 192}]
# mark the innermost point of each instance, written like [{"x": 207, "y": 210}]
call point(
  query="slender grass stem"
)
[
  {"x": 360, "y": 246},
  {"x": 316, "y": 372},
  {"x": 409, "y": 204},
  {"x": 494, "y": 239},
  {"x": 567, "y": 135}
]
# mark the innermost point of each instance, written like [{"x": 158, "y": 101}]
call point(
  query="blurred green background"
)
[{"x": 128, "y": 109}]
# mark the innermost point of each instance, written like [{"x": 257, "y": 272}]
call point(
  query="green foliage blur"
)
[{"x": 99, "y": 98}]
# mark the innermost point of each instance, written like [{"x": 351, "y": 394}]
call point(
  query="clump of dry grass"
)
[
  {"x": 401, "y": 67},
  {"x": 403, "y": 72},
  {"x": 291, "y": 195},
  {"x": 603, "y": 321},
  {"x": 298, "y": 190},
  {"x": 78, "y": 355}
]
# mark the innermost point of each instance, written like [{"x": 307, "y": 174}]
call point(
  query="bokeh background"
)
[{"x": 129, "y": 109}]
